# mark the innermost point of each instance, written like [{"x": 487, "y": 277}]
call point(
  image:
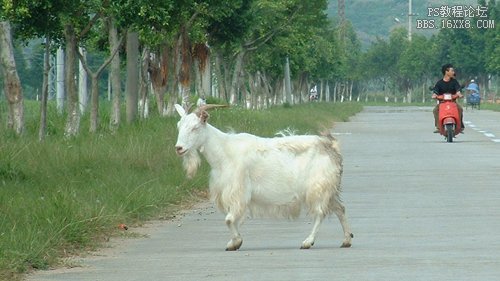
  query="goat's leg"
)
[
  {"x": 309, "y": 242},
  {"x": 340, "y": 212},
  {"x": 233, "y": 223}
]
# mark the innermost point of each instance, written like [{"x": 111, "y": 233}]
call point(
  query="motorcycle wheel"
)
[{"x": 449, "y": 132}]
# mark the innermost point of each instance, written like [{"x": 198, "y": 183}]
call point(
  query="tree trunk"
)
[
  {"x": 335, "y": 92},
  {"x": 132, "y": 75},
  {"x": 83, "y": 92},
  {"x": 94, "y": 100},
  {"x": 204, "y": 81},
  {"x": 301, "y": 88},
  {"x": 423, "y": 91},
  {"x": 158, "y": 70},
  {"x": 183, "y": 63},
  {"x": 61, "y": 86},
  {"x": 327, "y": 91},
  {"x": 268, "y": 90},
  {"x": 45, "y": 91},
  {"x": 94, "y": 111},
  {"x": 144, "y": 83},
  {"x": 321, "y": 91},
  {"x": 12, "y": 84},
  {"x": 288, "y": 85},
  {"x": 73, "y": 118},
  {"x": 278, "y": 91},
  {"x": 342, "y": 93},
  {"x": 255, "y": 93},
  {"x": 235, "y": 81},
  {"x": 221, "y": 77},
  {"x": 350, "y": 90},
  {"x": 116, "y": 91}
]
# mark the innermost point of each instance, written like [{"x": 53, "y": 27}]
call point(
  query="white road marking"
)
[{"x": 484, "y": 132}]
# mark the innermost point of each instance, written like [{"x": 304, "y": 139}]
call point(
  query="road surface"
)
[{"x": 420, "y": 209}]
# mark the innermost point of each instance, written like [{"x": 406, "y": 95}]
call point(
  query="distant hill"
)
[{"x": 372, "y": 18}]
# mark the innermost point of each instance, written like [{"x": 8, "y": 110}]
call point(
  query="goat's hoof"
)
[
  {"x": 346, "y": 245},
  {"x": 234, "y": 244},
  {"x": 347, "y": 241},
  {"x": 306, "y": 245},
  {"x": 232, "y": 248}
]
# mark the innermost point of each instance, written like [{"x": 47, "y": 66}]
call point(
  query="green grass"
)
[
  {"x": 490, "y": 106},
  {"x": 63, "y": 196}
]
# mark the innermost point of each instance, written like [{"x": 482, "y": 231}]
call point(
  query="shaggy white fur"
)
[{"x": 275, "y": 177}]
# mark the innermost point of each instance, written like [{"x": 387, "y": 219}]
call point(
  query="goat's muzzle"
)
[{"x": 180, "y": 150}]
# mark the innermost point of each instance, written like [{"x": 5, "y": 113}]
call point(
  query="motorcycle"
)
[{"x": 449, "y": 117}]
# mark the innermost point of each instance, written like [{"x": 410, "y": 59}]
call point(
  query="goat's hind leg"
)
[
  {"x": 309, "y": 242},
  {"x": 340, "y": 212},
  {"x": 233, "y": 223}
]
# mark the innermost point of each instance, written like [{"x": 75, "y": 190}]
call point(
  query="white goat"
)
[{"x": 266, "y": 176}]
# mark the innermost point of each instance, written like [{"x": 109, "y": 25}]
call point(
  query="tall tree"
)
[
  {"x": 73, "y": 119},
  {"x": 385, "y": 61},
  {"x": 35, "y": 19},
  {"x": 94, "y": 77},
  {"x": 12, "y": 84},
  {"x": 45, "y": 91},
  {"x": 492, "y": 44},
  {"x": 413, "y": 64},
  {"x": 114, "y": 74},
  {"x": 153, "y": 22}
]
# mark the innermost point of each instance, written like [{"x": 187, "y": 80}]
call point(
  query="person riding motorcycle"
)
[
  {"x": 448, "y": 84},
  {"x": 473, "y": 97}
]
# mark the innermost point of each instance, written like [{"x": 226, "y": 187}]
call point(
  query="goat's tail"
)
[
  {"x": 332, "y": 147},
  {"x": 332, "y": 141}
]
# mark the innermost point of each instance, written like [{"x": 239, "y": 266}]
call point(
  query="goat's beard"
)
[{"x": 191, "y": 161}]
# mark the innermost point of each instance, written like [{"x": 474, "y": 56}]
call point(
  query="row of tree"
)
[
  {"x": 179, "y": 47},
  {"x": 254, "y": 53}
]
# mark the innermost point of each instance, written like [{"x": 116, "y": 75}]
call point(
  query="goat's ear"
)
[
  {"x": 180, "y": 110},
  {"x": 204, "y": 116}
]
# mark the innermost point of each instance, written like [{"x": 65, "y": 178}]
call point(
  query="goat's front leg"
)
[{"x": 233, "y": 223}]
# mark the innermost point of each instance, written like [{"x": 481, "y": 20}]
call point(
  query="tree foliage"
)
[
  {"x": 402, "y": 64},
  {"x": 267, "y": 32}
]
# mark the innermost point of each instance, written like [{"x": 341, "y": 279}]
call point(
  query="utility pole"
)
[
  {"x": 409, "y": 20},
  {"x": 341, "y": 11},
  {"x": 410, "y": 14},
  {"x": 342, "y": 36}
]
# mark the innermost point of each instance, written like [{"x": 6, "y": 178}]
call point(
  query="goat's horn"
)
[
  {"x": 206, "y": 107},
  {"x": 188, "y": 107}
]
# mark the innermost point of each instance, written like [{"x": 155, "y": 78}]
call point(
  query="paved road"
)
[{"x": 412, "y": 216}]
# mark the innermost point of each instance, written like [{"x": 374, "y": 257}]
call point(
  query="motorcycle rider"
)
[
  {"x": 448, "y": 84},
  {"x": 473, "y": 89}
]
